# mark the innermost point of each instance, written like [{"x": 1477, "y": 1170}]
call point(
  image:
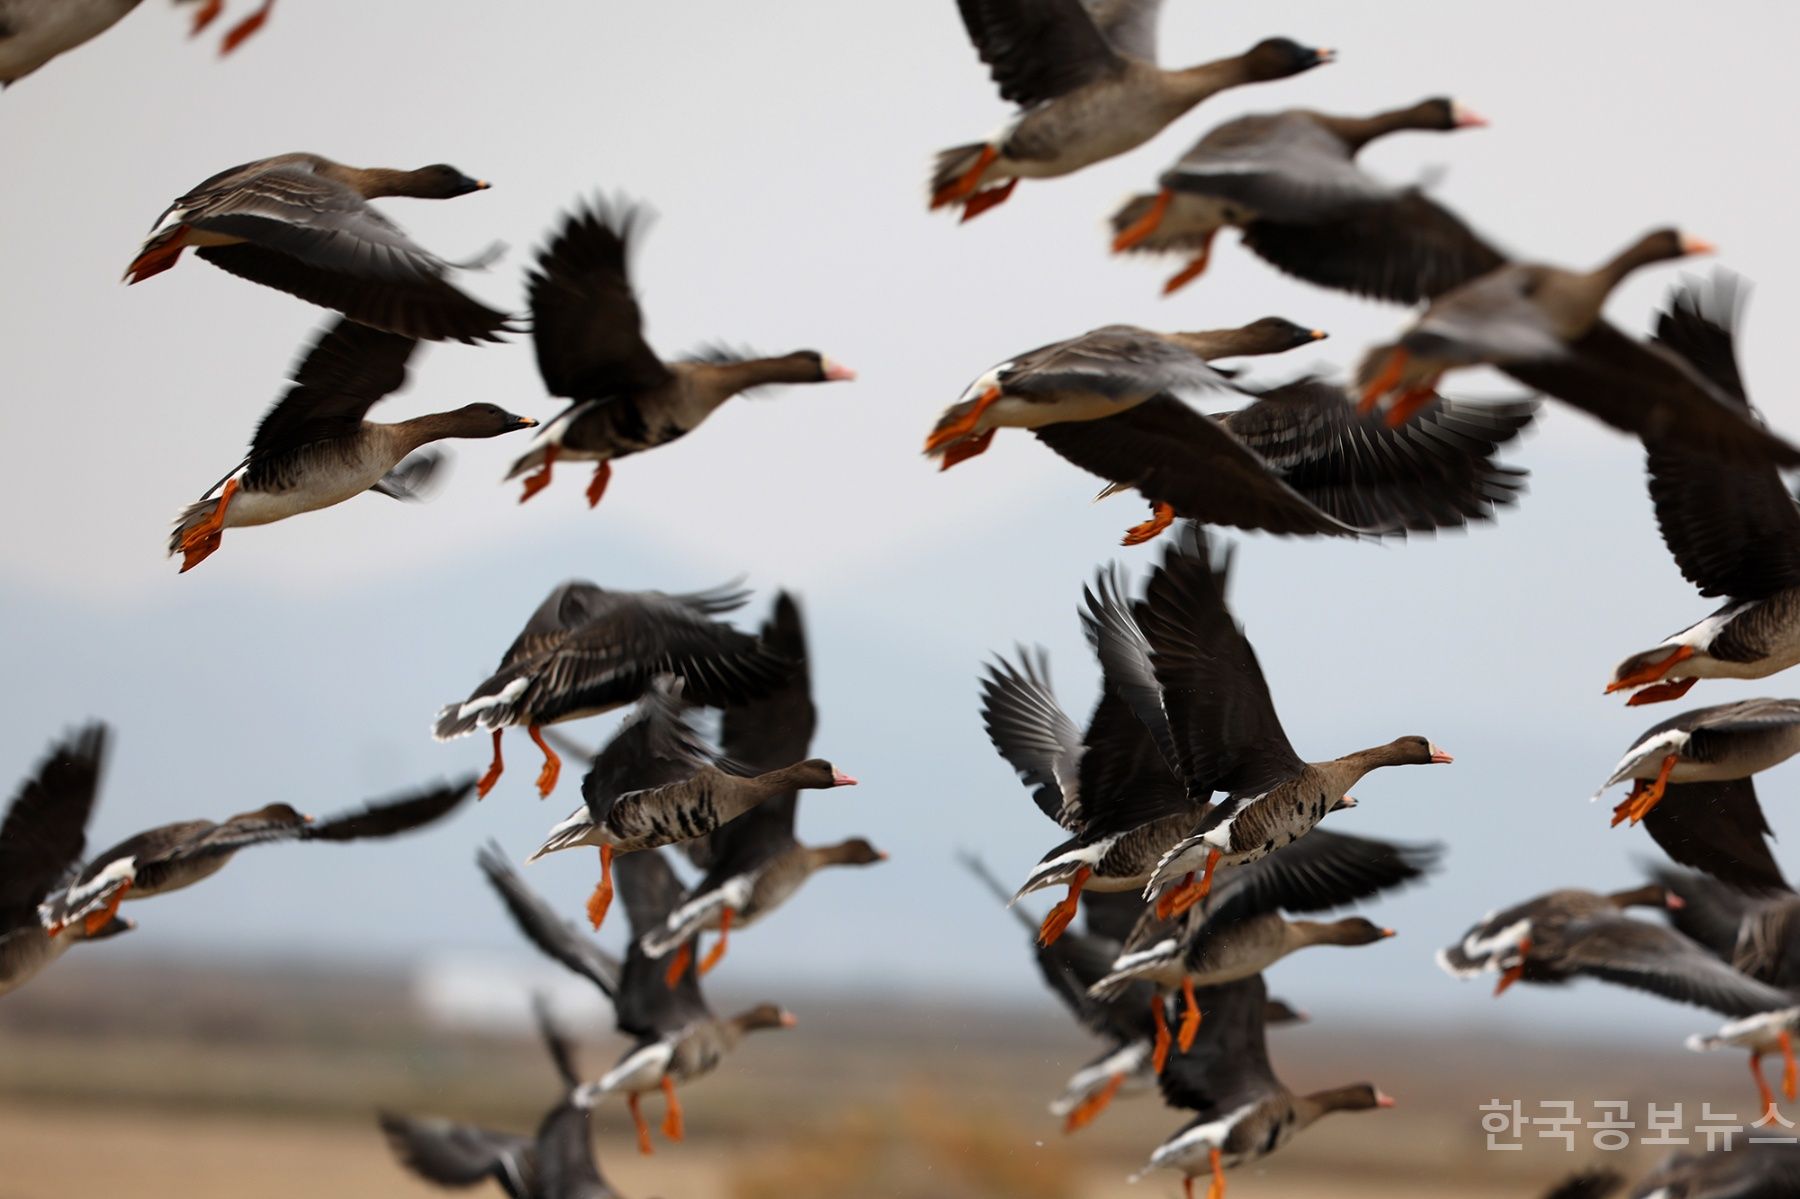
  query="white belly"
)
[{"x": 322, "y": 489}]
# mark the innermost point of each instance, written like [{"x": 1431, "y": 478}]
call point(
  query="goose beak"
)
[
  {"x": 524, "y": 422},
  {"x": 1349, "y": 801},
  {"x": 309, "y": 819},
  {"x": 1318, "y": 334},
  {"x": 1696, "y": 245},
  {"x": 837, "y": 372},
  {"x": 1387, "y": 932},
  {"x": 482, "y": 185},
  {"x": 1674, "y": 902},
  {"x": 881, "y": 855},
  {"x": 1465, "y": 117},
  {"x": 1383, "y": 1099},
  {"x": 789, "y": 1020},
  {"x": 1324, "y": 54},
  {"x": 840, "y": 779},
  {"x": 1439, "y": 757}
]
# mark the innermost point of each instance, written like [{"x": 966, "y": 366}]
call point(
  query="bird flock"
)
[{"x": 1192, "y": 844}]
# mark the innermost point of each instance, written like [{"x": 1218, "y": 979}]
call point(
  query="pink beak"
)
[
  {"x": 1387, "y": 932},
  {"x": 1696, "y": 245},
  {"x": 837, "y": 372},
  {"x": 1440, "y": 757},
  {"x": 788, "y": 1019},
  {"x": 1466, "y": 117},
  {"x": 1674, "y": 902},
  {"x": 1383, "y": 1100},
  {"x": 840, "y": 779}
]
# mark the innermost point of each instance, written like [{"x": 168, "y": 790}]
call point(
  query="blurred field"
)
[{"x": 216, "y": 1084}]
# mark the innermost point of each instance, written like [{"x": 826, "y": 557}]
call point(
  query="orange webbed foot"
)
[
  {"x": 205, "y": 15},
  {"x": 244, "y": 29},
  {"x": 597, "y": 485},
  {"x": 1190, "y": 1016},
  {"x": 1661, "y": 692},
  {"x": 539, "y": 479},
  {"x": 964, "y": 185},
  {"x": 981, "y": 201},
  {"x": 552, "y": 769},
  {"x": 966, "y": 449},
  {"x": 1409, "y": 403},
  {"x": 672, "y": 1123},
  {"x": 1161, "y": 517},
  {"x": 602, "y": 898},
  {"x": 964, "y": 426},
  {"x": 157, "y": 258},
  {"x": 1145, "y": 225},
  {"x": 642, "y": 1126},
  {"x": 717, "y": 953},
  {"x": 1060, "y": 916},
  {"x": 492, "y": 775},
  {"x": 1089, "y": 1109},
  {"x": 1159, "y": 1056},
  {"x": 98, "y": 920},
  {"x": 1384, "y": 382},
  {"x": 198, "y": 543},
  {"x": 1651, "y": 672},
  {"x": 684, "y": 957},
  {"x": 1515, "y": 973}
]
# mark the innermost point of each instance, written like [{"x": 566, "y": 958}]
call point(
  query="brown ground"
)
[{"x": 264, "y": 1086}]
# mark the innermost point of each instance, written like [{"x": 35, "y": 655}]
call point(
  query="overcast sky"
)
[{"x": 785, "y": 148}]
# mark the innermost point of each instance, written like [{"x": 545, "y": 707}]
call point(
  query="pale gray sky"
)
[{"x": 785, "y": 148}]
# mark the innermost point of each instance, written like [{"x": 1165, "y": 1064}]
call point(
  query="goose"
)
[
  {"x": 589, "y": 650},
  {"x": 1691, "y": 785},
  {"x": 676, "y": 1037},
  {"x": 1568, "y": 934},
  {"x": 1299, "y": 459},
  {"x": 1732, "y": 528},
  {"x": 1244, "y": 1113},
  {"x": 556, "y": 1163},
  {"x": 171, "y": 857},
  {"x": 1096, "y": 375},
  {"x": 1750, "y": 1169},
  {"x": 754, "y": 864},
  {"x": 41, "y": 842},
  {"x": 623, "y": 399},
  {"x": 656, "y": 783},
  {"x": 1227, "y": 737},
  {"x": 1070, "y": 967},
  {"x": 302, "y": 224},
  {"x": 1289, "y": 180},
  {"x": 1241, "y": 931},
  {"x": 1084, "y": 75},
  {"x": 32, "y": 32},
  {"x": 1112, "y": 787},
  {"x": 314, "y": 448},
  {"x": 1542, "y": 326}
]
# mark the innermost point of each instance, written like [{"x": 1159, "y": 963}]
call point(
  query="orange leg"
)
[
  {"x": 1410, "y": 401},
  {"x": 1187, "y": 1187},
  {"x": 684, "y": 957},
  {"x": 966, "y": 449},
  {"x": 207, "y": 14},
  {"x": 1161, "y": 517},
  {"x": 597, "y": 485},
  {"x": 1660, "y": 692},
  {"x": 643, "y": 1128},
  {"x": 1145, "y": 225},
  {"x": 1386, "y": 381},
  {"x": 1648, "y": 795},
  {"x": 1062, "y": 914},
  {"x": 540, "y": 478},
  {"x": 1790, "y": 1069},
  {"x": 493, "y": 771},
  {"x": 1159, "y": 1057},
  {"x": 1190, "y": 1016},
  {"x": 717, "y": 953},
  {"x": 965, "y": 426},
  {"x": 1515, "y": 973},
  {"x": 546, "y": 780},
  {"x": 246, "y": 27},
  {"x": 672, "y": 1125},
  {"x": 98, "y": 920},
  {"x": 962, "y": 187},
  {"x": 158, "y": 258},
  {"x": 1165, "y": 903},
  {"x": 981, "y": 201},
  {"x": 1090, "y": 1108},
  {"x": 1194, "y": 269},
  {"x": 602, "y": 897},
  {"x": 198, "y": 543},
  {"x": 1762, "y": 1084},
  {"x": 1212, "y": 862},
  {"x": 1652, "y": 671},
  {"x": 1217, "y": 1189}
]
